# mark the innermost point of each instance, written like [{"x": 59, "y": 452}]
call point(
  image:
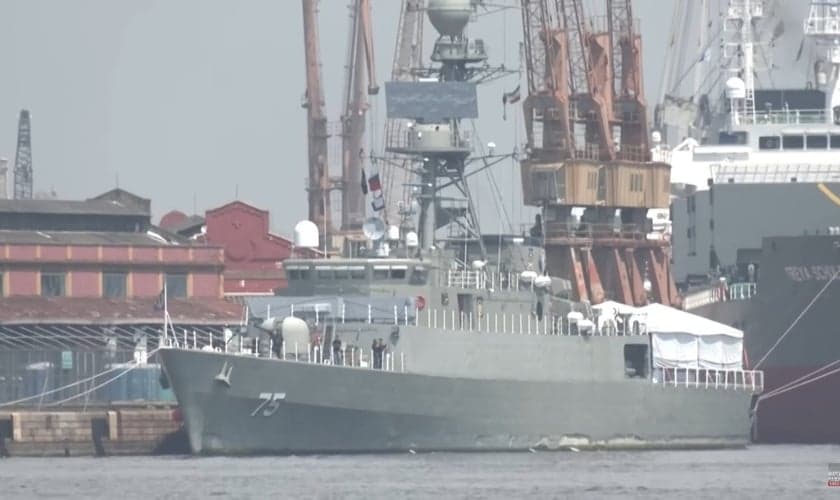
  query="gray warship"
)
[{"x": 420, "y": 341}]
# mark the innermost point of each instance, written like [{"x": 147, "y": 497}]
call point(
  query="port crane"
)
[{"x": 587, "y": 159}]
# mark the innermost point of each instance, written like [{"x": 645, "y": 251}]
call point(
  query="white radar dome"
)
[
  {"x": 736, "y": 88},
  {"x": 411, "y": 240},
  {"x": 306, "y": 234},
  {"x": 295, "y": 331},
  {"x": 449, "y": 17}
]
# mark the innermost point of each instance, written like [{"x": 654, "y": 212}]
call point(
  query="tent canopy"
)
[{"x": 664, "y": 319}]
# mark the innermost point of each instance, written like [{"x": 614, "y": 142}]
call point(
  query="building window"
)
[
  {"x": 636, "y": 183},
  {"x": 52, "y": 284},
  {"x": 176, "y": 286},
  {"x": 114, "y": 285}
]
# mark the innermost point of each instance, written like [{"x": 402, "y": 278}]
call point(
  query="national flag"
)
[
  {"x": 511, "y": 97},
  {"x": 378, "y": 203},
  {"x": 364, "y": 183},
  {"x": 374, "y": 183}
]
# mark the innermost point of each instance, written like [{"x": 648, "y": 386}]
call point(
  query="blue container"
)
[
  {"x": 116, "y": 390},
  {"x": 37, "y": 379}
]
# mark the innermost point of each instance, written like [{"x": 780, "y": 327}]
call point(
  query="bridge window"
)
[
  {"x": 419, "y": 276},
  {"x": 399, "y": 272},
  {"x": 816, "y": 141},
  {"x": 357, "y": 272},
  {"x": 325, "y": 273},
  {"x": 732, "y": 138},
  {"x": 769, "y": 142},
  {"x": 793, "y": 142},
  {"x": 342, "y": 273},
  {"x": 380, "y": 272},
  {"x": 835, "y": 141}
]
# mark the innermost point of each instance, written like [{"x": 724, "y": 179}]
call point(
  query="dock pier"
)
[{"x": 109, "y": 431}]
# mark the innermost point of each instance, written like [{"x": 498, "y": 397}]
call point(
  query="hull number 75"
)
[{"x": 269, "y": 403}]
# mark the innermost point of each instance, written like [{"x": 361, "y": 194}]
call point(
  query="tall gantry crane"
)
[
  {"x": 587, "y": 158},
  {"x": 360, "y": 81},
  {"x": 319, "y": 184}
]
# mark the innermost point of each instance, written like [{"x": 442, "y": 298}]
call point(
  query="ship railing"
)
[
  {"x": 723, "y": 293},
  {"x": 710, "y": 378},
  {"x": 482, "y": 321},
  {"x": 525, "y": 324},
  {"x": 312, "y": 353},
  {"x": 786, "y": 117},
  {"x": 482, "y": 280},
  {"x": 589, "y": 231}
]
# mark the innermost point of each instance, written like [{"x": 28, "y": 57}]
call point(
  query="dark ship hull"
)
[{"x": 791, "y": 333}]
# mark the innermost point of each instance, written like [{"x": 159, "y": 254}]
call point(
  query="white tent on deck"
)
[{"x": 685, "y": 340}]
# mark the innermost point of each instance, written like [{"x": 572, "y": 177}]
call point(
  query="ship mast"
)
[
  {"x": 434, "y": 137},
  {"x": 823, "y": 26},
  {"x": 739, "y": 50}
]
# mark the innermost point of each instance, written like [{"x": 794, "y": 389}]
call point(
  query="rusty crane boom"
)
[
  {"x": 359, "y": 82},
  {"x": 319, "y": 184}
]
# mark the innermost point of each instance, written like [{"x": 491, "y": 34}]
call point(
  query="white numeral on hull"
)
[{"x": 270, "y": 403}]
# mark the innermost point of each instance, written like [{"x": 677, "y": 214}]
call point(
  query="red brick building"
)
[
  {"x": 103, "y": 247},
  {"x": 253, "y": 255}
]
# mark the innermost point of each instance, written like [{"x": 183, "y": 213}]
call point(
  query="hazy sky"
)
[{"x": 188, "y": 102}]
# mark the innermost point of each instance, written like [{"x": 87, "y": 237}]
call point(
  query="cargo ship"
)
[{"x": 756, "y": 212}]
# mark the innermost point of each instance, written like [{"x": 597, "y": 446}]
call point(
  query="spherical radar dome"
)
[
  {"x": 449, "y": 17},
  {"x": 306, "y": 234}
]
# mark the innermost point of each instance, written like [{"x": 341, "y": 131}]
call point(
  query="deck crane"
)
[{"x": 359, "y": 82}]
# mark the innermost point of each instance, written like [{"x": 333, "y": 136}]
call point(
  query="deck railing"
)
[
  {"x": 733, "y": 292},
  {"x": 482, "y": 280},
  {"x": 709, "y": 378}
]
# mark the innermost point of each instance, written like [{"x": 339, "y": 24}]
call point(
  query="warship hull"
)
[
  {"x": 790, "y": 330},
  {"x": 272, "y": 406}
]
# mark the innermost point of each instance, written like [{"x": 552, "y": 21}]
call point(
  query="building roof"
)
[
  {"x": 65, "y": 207},
  {"x": 149, "y": 238},
  {"x": 78, "y": 310},
  {"x": 191, "y": 222}
]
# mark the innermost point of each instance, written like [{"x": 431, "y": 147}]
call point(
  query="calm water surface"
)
[{"x": 761, "y": 472}]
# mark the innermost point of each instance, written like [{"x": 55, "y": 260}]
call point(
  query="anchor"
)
[{"x": 224, "y": 375}]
